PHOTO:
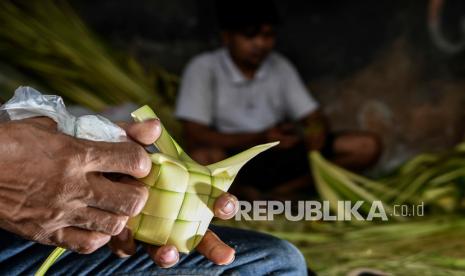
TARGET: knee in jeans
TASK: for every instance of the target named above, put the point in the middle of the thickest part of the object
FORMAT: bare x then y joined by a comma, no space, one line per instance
289,257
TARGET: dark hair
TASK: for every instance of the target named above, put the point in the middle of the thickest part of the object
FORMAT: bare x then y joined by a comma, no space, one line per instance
240,15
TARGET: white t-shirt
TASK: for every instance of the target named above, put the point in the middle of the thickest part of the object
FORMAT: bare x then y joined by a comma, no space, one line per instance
215,93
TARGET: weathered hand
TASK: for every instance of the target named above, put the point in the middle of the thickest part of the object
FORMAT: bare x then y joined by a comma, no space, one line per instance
166,256
52,187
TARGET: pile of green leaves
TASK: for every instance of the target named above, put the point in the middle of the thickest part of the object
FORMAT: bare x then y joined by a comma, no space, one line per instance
437,180
46,45
430,246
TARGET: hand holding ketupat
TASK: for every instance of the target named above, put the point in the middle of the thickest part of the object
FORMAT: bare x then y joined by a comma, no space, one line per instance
182,193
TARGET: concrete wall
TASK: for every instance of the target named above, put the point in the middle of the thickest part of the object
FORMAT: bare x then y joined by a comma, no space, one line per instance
374,65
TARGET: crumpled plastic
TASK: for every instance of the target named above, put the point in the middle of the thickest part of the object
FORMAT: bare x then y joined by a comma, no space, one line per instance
28,103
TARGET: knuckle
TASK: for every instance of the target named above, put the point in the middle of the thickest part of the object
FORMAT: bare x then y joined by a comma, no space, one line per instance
88,154
82,190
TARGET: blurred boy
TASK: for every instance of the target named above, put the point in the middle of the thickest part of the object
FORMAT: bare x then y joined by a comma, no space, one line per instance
244,94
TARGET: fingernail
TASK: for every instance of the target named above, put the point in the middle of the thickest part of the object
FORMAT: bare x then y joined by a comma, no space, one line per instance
222,252
228,208
150,120
168,256
146,165
232,260
157,121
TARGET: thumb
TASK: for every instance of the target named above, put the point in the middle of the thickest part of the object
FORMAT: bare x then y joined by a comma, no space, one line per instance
145,133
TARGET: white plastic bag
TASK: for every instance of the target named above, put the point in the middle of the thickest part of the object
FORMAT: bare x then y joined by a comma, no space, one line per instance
28,102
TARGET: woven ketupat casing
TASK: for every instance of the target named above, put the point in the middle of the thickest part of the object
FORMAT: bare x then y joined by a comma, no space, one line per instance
181,208
182,192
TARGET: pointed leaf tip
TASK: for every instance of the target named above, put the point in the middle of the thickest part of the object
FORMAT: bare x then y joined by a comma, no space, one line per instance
233,164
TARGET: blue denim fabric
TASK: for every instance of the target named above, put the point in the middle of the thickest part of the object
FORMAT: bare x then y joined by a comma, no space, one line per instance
256,254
